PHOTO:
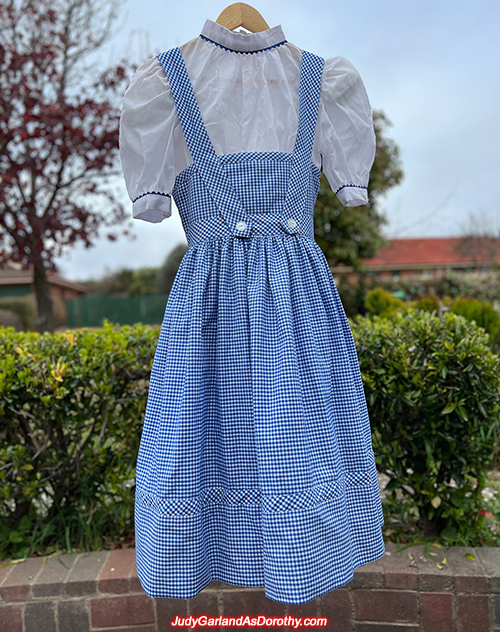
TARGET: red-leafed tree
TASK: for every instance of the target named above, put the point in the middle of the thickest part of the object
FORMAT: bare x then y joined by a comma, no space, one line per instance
59,126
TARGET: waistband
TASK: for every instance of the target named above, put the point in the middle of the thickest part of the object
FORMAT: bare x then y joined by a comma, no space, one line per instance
261,225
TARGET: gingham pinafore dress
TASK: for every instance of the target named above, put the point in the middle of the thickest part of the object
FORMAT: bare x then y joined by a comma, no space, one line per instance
255,464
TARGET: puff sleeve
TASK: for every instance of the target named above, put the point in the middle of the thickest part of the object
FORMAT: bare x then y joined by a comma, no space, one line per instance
346,134
146,145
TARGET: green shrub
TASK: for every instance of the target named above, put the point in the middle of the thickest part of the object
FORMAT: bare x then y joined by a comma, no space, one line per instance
382,303
483,285
433,393
72,407
24,307
428,302
71,411
482,312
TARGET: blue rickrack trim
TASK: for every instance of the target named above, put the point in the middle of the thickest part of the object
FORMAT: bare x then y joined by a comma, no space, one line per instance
357,186
149,193
244,52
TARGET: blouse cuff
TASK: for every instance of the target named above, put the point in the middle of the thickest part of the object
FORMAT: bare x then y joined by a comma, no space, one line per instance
152,207
352,195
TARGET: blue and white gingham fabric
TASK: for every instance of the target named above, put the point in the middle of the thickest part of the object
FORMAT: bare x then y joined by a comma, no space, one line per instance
255,465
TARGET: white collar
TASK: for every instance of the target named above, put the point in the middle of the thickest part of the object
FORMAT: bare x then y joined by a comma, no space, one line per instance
242,42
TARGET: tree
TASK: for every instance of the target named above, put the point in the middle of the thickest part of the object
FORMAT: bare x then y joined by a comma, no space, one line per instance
144,281
59,127
349,234
166,274
479,240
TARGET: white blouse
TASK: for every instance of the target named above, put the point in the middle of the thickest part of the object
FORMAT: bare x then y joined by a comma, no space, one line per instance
246,86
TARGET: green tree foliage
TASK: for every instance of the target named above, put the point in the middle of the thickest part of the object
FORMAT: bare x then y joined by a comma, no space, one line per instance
143,281
349,234
167,272
126,282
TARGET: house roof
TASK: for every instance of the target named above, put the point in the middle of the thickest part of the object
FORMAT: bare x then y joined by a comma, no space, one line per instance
436,251
15,277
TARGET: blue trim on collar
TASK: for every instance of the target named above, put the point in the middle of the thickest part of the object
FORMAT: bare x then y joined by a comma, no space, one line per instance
244,52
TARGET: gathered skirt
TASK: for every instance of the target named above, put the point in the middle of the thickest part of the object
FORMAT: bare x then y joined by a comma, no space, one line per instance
255,465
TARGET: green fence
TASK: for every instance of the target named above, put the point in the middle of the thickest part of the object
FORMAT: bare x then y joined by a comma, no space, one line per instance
91,310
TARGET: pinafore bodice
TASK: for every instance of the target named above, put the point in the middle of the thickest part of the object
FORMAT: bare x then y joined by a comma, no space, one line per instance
246,194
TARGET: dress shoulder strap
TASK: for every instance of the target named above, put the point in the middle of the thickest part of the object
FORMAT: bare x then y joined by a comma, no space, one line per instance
194,129
205,159
311,73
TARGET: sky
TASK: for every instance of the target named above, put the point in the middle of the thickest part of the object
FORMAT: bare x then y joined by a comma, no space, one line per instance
432,67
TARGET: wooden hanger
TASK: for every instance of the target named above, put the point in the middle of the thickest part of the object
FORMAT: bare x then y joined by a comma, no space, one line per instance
241,14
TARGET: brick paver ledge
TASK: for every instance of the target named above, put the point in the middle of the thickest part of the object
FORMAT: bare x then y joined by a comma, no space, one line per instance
100,592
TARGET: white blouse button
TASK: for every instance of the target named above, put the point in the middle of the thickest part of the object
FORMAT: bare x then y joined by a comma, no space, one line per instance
292,223
241,226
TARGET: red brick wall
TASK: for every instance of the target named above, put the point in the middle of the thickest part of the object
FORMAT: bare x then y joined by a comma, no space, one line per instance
100,591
